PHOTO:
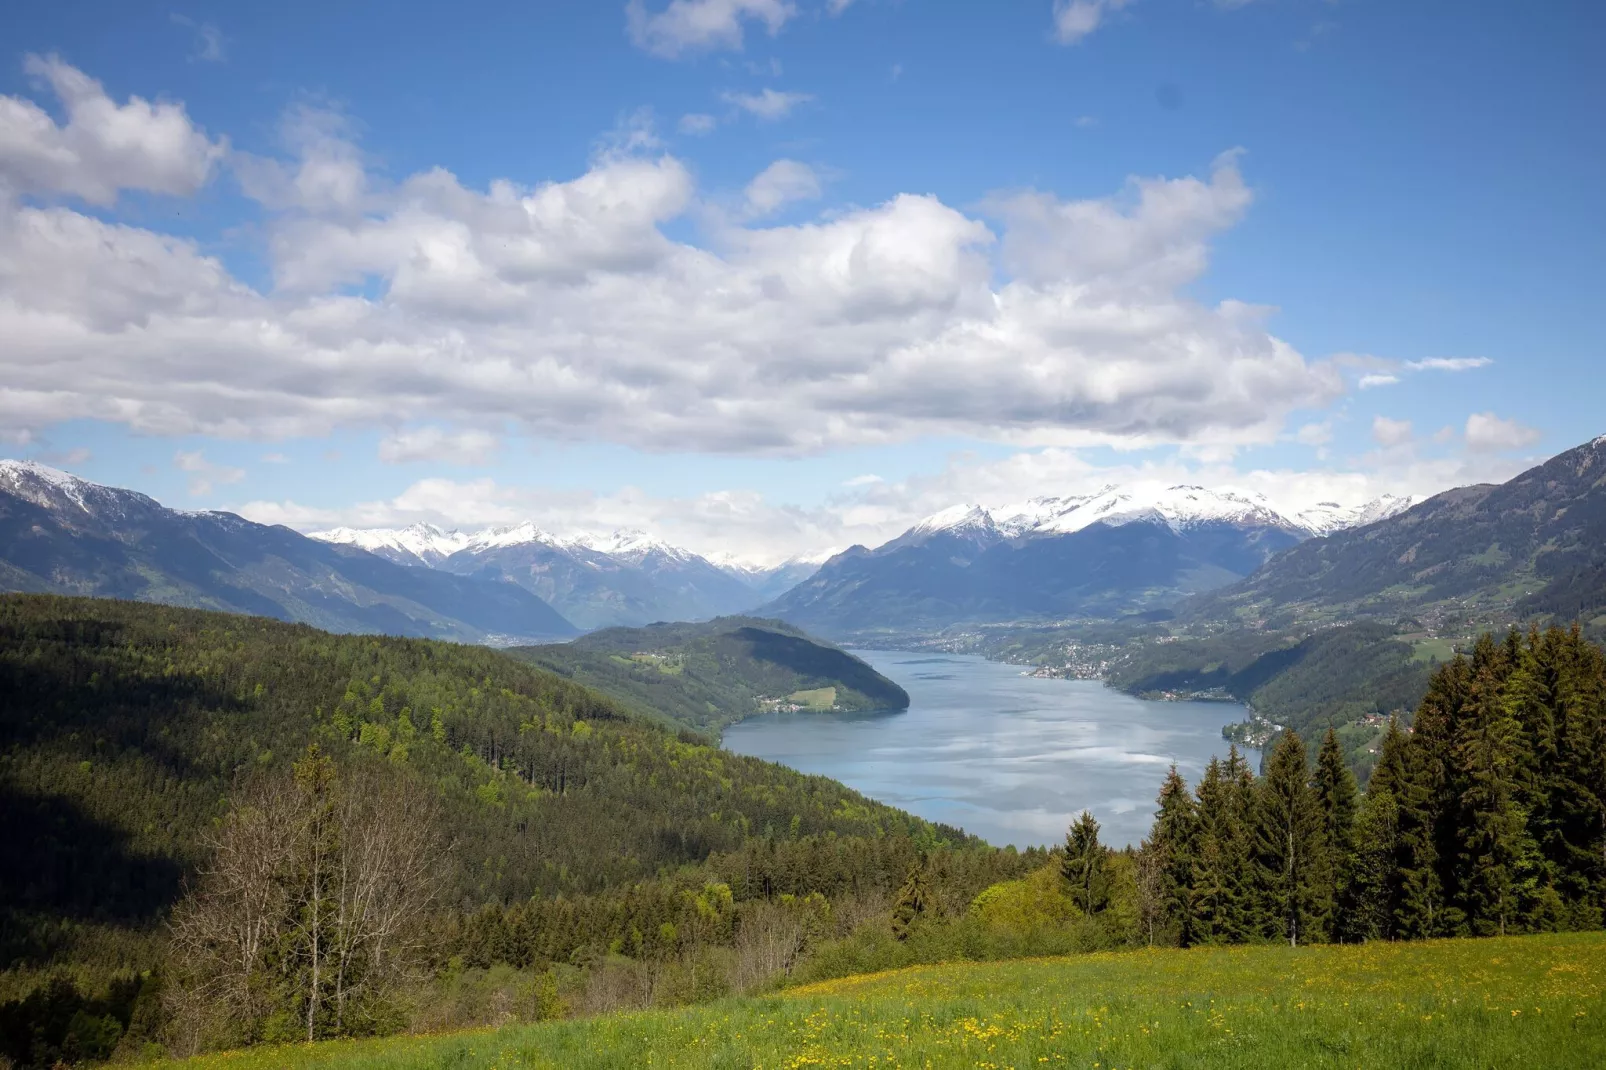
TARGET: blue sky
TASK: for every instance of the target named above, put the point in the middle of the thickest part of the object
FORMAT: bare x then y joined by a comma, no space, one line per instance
768,276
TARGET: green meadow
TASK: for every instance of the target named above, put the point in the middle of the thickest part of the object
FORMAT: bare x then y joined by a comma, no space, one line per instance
1533,1001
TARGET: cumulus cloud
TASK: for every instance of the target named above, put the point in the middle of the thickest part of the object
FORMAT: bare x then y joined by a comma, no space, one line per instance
768,104
104,147
1487,432
435,444
327,172
565,310
749,526
781,183
690,26
204,475
1075,19
1390,433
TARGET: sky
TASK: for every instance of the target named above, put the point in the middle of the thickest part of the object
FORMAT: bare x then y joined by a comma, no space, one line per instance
768,277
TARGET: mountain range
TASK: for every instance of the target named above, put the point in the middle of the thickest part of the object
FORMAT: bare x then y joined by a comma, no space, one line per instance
1113,552
1532,546
63,535
624,579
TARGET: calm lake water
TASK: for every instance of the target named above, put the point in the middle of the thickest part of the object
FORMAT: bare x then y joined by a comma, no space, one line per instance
1010,758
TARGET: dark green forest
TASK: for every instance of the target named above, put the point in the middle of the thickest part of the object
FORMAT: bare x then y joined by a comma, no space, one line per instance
708,675
427,836
126,729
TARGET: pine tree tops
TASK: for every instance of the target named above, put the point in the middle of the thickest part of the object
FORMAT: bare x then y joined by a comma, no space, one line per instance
1086,866
1488,816
1291,847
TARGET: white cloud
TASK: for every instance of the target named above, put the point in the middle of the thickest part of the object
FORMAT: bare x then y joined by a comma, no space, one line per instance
1315,434
434,444
687,26
1447,364
1487,432
767,105
204,475
275,458
104,147
1390,433
329,172
697,124
749,526
836,7
781,183
1375,379
564,310
209,40
1075,19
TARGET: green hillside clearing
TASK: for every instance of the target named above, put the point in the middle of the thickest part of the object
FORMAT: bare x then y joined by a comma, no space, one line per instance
1520,1001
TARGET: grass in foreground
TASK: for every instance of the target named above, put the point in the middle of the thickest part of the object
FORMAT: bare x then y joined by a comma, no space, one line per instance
1516,1002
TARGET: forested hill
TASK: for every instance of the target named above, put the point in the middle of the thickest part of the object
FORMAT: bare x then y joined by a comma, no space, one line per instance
709,675
1532,547
125,726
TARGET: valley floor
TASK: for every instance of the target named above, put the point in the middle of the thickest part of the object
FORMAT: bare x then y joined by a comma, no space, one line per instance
1516,1002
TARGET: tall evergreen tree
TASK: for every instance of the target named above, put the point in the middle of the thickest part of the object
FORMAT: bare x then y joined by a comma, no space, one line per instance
1086,865
1336,794
1220,869
1172,842
1291,847
913,900
1497,860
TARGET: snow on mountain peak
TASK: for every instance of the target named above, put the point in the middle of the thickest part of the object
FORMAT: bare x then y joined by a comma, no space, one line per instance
50,487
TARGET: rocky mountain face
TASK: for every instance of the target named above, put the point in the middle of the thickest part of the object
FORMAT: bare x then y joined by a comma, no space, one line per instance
1105,554
65,535
1535,545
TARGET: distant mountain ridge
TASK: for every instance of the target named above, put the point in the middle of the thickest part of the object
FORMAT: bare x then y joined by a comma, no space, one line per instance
1115,551
623,579
60,534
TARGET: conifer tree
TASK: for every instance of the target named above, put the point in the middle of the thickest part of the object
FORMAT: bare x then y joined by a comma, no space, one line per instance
1172,842
1221,879
913,899
1291,847
1497,860
1086,865
1335,792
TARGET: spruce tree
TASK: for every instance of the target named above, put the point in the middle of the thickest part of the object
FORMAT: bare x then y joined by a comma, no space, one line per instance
1291,848
913,899
1172,844
1497,860
1086,865
1221,878
1335,792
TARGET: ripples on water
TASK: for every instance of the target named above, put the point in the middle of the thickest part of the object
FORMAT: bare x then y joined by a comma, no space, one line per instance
1008,757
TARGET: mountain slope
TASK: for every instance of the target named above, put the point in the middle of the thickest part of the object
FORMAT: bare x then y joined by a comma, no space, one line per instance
65,535
1532,545
709,675
1101,555
123,725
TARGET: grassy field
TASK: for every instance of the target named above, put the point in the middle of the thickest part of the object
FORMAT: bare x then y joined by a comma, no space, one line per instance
1515,1002
819,698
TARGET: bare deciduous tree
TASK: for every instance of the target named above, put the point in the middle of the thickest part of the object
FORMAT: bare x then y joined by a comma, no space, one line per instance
311,909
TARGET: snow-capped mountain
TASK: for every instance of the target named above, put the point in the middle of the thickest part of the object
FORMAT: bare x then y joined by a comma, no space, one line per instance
1325,518
1119,549
66,535
626,577
1181,508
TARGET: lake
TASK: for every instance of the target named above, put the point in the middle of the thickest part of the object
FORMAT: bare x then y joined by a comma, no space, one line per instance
1008,757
